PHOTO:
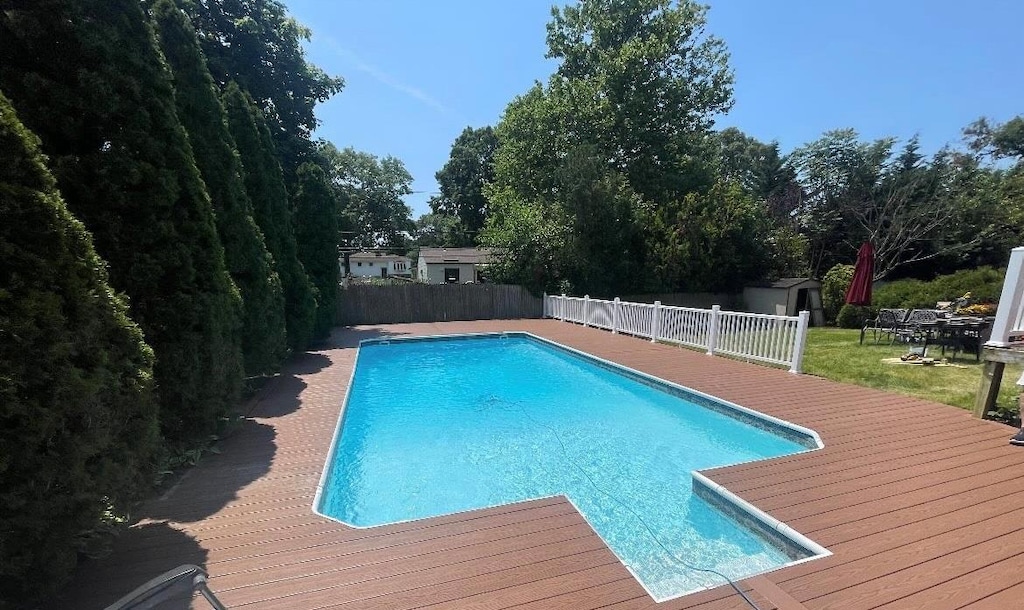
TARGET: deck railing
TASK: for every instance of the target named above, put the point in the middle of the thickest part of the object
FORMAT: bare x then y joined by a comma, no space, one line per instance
1008,328
766,338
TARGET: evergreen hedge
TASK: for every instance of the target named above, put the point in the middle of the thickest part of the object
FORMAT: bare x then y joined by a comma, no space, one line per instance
88,78
316,231
248,261
78,421
264,182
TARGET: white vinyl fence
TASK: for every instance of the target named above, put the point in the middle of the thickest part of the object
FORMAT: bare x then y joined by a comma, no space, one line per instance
773,339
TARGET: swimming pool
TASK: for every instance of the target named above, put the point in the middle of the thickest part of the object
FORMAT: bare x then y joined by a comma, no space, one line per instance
434,426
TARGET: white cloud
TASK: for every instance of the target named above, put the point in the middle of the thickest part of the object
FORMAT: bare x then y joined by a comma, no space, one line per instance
387,80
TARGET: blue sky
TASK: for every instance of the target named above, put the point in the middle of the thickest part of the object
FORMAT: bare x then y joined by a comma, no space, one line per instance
418,72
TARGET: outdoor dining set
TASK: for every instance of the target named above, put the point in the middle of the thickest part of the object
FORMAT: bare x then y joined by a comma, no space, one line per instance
930,327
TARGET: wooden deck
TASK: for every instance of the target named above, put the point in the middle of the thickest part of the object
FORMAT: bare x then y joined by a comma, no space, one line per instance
922,506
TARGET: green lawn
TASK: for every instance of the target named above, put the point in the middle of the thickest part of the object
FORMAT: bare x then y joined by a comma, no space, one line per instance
834,353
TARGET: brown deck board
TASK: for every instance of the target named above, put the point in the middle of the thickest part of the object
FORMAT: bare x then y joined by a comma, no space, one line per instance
385,562
1006,598
919,502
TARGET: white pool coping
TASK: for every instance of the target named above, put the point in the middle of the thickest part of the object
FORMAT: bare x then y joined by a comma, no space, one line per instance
784,531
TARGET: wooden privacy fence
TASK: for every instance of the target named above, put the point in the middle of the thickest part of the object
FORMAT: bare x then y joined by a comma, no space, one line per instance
767,338
435,303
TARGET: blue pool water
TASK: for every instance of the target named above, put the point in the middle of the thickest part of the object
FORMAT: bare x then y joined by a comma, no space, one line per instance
440,426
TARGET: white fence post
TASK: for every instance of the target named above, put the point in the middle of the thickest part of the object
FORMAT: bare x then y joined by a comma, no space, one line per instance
800,343
713,331
616,315
1010,301
561,307
586,310
656,322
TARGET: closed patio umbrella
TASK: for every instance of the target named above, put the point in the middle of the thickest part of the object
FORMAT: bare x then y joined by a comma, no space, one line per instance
859,292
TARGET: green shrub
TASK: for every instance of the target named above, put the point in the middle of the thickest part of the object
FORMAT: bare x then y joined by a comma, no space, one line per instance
896,294
984,284
854,316
78,422
316,233
833,290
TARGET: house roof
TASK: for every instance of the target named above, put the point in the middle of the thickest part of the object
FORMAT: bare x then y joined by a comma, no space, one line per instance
476,256
376,256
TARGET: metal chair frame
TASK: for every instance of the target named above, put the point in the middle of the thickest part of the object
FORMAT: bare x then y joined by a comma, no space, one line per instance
910,328
166,587
887,322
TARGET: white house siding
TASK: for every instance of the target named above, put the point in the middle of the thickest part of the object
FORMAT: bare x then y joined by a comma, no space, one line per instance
433,273
372,267
401,266
366,268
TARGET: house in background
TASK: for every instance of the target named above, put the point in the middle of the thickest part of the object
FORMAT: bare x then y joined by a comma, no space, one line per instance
452,265
377,264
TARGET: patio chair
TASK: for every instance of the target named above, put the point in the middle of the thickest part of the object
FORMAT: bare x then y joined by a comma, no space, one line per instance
172,590
887,322
910,329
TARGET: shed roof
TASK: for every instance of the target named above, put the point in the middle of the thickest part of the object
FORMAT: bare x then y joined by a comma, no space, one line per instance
790,282
476,256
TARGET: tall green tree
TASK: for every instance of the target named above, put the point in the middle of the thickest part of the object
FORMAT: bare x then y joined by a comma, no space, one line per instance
762,171
867,191
469,167
716,241
1000,140
660,81
251,267
372,191
88,78
264,183
592,221
78,421
991,186
771,181
316,231
636,90
256,44
438,230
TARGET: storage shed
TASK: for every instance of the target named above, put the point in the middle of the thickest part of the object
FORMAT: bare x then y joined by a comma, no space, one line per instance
787,297
452,265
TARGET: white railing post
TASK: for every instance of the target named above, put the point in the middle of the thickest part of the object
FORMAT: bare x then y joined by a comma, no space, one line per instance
586,310
1010,301
656,322
563,305
716,310
800,343
616,308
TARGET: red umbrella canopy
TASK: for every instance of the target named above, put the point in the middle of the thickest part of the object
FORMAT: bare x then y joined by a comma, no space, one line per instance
859,292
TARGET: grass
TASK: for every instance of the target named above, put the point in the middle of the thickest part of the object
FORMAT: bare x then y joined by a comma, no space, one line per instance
834,353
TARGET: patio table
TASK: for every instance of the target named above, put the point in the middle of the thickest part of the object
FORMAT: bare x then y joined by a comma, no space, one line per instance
960,334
